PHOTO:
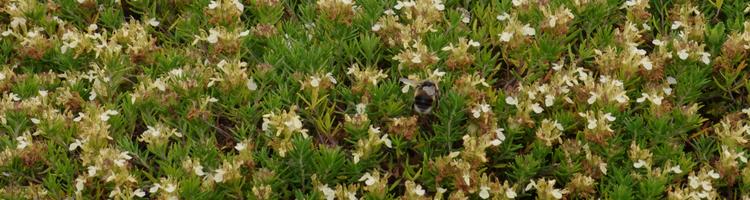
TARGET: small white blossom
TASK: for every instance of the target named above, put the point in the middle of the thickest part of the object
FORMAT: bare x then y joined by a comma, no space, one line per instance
503,16
675,169
527,30
676,25
139,192
153,22
536,108
484,192
639,164
368,179
511,100
418,190
683,54
251,84
506,36
329,193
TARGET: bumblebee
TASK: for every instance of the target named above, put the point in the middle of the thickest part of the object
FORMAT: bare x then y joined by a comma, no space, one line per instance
425,96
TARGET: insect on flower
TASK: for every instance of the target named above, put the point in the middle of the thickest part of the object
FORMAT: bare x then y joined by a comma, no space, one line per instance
425,95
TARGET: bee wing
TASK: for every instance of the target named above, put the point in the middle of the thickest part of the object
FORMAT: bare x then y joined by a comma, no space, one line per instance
432,91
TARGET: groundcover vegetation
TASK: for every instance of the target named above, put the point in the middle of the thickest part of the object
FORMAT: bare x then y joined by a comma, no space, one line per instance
303,99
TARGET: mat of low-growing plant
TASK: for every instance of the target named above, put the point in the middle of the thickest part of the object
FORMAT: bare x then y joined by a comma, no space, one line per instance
315,99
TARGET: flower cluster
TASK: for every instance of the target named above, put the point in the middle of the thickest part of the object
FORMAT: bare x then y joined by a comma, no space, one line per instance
283,126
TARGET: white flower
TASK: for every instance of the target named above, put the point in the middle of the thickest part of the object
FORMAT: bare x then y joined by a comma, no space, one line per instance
622,98
557,193
73,146
329,193
592,98
368,179
139,193
120,161
92,170
438,4
240,146
387,141
251,84
244,33
80,181
159,84
376,27
671,80
511,100
356,157
170,188
92,95
683,54
676,169
643,98
485,107
238,5
531,184
153,22
154,188
484,192
467,179
23,142
389,12
552,21
526,30
314,81
609,117
213,36
657,42
35,121
476,113
706,57
14,97
656,99
416,59
603,168
639,164
92,27
676,25
646,62
549,100
418,190
667,90
638,51
2,76
80,116
329,75
219,175
713,174
510,193
499,137
591,124
213,5
473,43
517,2
506,36
537,109
646,27
629,3
198,170
503,16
